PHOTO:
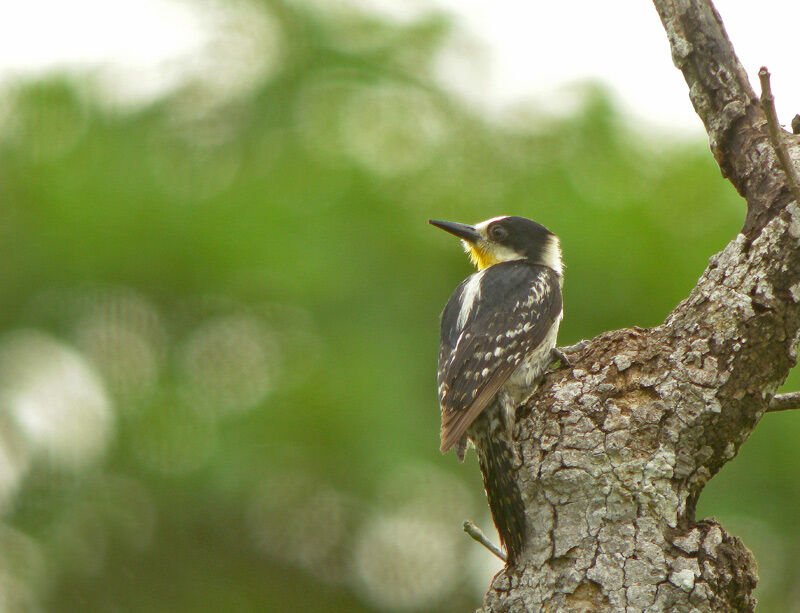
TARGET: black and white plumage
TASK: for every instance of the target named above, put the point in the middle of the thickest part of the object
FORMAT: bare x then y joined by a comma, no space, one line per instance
498,333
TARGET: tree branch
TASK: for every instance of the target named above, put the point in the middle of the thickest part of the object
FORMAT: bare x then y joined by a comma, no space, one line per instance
776,134
784,402
617,448
477,534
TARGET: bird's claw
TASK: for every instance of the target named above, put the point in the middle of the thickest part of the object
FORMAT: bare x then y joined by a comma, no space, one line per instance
557,357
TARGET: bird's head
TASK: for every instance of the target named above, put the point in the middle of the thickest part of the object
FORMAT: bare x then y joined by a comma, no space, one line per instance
502,239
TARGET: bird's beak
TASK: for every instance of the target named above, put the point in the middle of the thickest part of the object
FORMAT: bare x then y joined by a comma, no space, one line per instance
462,231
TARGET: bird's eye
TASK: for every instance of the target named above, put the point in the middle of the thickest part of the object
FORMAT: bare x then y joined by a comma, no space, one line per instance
497,233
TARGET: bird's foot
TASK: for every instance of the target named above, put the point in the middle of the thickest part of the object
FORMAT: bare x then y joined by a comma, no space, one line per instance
558,359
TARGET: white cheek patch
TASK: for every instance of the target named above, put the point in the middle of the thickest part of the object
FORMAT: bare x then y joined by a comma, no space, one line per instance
502,253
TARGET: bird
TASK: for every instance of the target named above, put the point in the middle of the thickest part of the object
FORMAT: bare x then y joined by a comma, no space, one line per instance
498,338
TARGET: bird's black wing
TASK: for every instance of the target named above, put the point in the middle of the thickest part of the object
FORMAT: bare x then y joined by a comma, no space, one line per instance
514,307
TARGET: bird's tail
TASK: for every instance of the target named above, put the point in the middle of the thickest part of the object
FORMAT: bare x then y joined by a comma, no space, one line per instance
496,458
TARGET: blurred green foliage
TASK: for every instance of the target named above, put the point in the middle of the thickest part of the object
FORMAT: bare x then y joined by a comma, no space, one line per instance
245,295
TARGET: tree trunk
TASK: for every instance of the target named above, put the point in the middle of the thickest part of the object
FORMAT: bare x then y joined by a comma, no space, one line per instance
617,448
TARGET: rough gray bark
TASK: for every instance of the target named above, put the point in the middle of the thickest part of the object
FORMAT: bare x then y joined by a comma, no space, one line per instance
618,447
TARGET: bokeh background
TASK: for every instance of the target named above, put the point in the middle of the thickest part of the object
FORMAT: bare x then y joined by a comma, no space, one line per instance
219,319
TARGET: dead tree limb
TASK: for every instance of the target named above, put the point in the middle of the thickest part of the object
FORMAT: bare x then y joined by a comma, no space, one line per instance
617,448
784,402
776,134
477,535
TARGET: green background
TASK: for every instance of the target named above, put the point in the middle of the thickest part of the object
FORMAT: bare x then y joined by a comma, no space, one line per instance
220,325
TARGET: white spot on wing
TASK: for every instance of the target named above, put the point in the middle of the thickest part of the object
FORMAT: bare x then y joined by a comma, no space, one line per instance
455,349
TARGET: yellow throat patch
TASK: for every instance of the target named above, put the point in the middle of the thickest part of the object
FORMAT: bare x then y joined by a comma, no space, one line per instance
479,256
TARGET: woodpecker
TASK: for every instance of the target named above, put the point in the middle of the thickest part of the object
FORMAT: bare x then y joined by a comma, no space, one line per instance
498,338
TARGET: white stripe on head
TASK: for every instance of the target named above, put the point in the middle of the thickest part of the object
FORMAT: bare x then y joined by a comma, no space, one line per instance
551,254
481,227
